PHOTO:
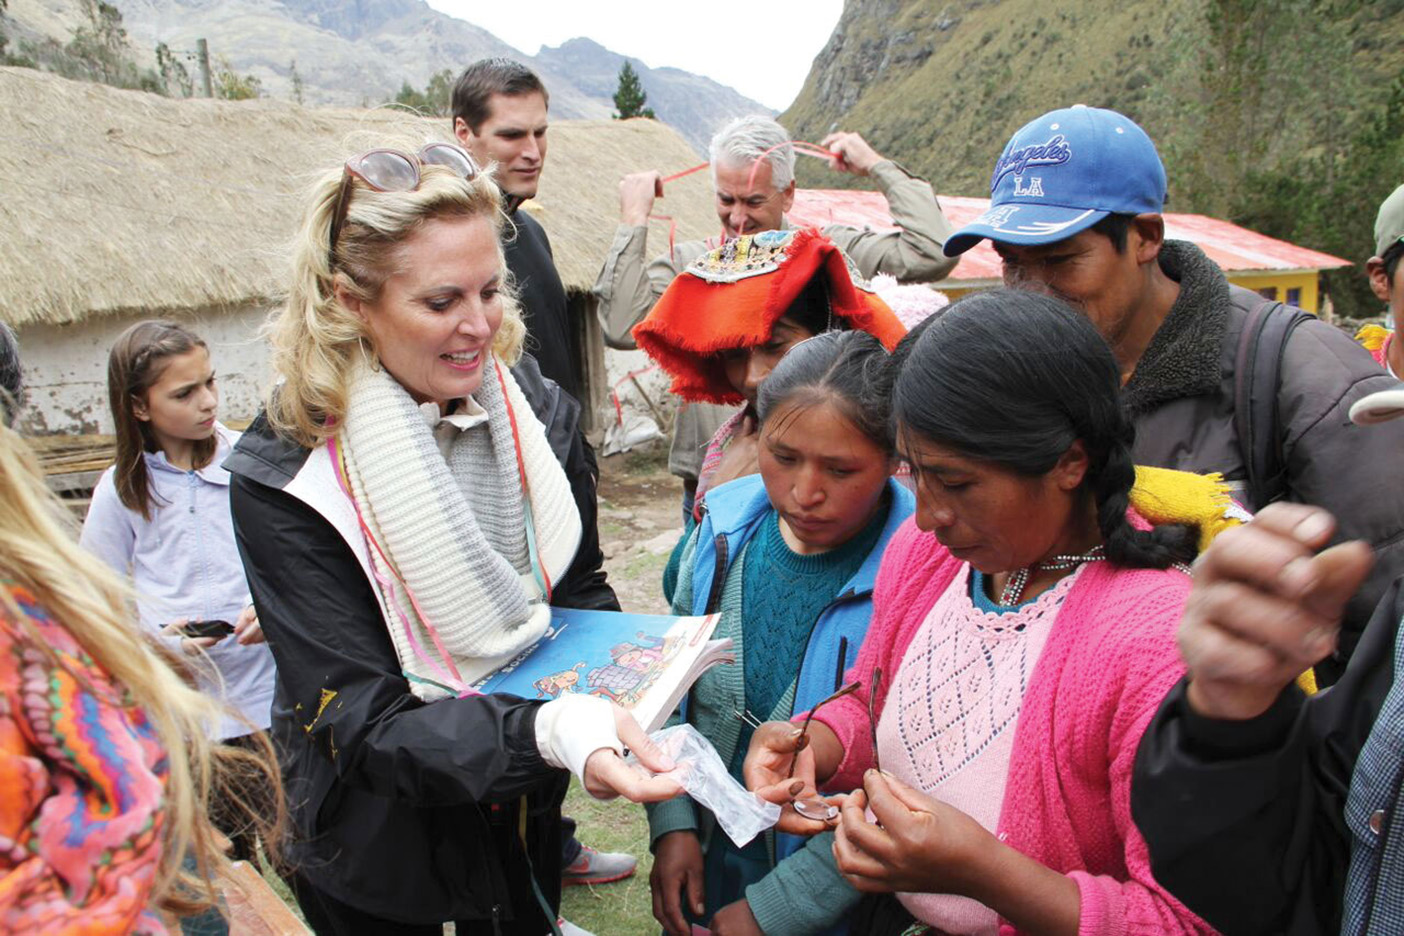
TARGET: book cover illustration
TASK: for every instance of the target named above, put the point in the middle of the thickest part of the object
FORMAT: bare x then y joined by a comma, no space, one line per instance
610,654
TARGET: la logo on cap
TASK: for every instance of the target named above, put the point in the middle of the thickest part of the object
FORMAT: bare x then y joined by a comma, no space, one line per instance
1034,189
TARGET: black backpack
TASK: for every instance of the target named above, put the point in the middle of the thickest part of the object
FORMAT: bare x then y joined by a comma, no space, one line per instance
1257,380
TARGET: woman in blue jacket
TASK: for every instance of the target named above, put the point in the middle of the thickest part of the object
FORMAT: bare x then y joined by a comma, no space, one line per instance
789,558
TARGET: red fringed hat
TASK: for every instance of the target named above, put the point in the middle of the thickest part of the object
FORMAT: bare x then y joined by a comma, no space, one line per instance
731,297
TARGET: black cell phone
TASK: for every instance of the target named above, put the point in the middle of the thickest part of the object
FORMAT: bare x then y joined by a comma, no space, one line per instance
215,629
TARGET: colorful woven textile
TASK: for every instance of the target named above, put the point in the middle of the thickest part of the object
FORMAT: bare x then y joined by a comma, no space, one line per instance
82,779
732,297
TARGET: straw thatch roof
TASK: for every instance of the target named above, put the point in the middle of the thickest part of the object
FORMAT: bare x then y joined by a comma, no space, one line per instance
119,201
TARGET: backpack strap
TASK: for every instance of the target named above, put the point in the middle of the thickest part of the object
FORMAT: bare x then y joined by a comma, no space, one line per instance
1257,380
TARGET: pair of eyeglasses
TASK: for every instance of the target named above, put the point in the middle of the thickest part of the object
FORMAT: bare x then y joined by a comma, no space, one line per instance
389,170
816,807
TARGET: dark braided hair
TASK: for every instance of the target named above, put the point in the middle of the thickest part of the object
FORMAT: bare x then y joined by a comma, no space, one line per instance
1015,378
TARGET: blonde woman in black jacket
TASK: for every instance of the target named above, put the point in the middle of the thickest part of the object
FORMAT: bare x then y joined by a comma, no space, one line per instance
406,507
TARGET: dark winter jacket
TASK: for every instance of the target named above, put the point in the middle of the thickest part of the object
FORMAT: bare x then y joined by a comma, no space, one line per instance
551,338
1181,397
1253,823
401,809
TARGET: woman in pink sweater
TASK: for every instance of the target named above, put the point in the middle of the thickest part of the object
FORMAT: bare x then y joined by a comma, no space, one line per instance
1022,638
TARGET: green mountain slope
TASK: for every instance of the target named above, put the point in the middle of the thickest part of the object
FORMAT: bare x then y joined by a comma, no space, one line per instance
1287,115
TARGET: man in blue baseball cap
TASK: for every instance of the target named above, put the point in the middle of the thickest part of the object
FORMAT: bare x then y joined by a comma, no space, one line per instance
1215,377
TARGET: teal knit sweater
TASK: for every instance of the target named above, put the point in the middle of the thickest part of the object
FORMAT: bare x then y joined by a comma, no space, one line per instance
783,595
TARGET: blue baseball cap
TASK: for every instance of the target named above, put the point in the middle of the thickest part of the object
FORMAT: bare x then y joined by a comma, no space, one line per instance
1064,172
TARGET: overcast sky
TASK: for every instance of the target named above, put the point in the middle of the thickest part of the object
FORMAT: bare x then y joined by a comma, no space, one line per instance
763,50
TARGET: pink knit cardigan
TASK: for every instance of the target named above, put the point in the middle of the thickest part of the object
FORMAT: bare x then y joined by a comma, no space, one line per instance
1109,662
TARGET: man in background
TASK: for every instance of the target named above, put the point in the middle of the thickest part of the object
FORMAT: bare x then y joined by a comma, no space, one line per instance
499,115
753,175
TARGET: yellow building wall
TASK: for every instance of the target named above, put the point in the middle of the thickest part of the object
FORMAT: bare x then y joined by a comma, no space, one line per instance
1275,285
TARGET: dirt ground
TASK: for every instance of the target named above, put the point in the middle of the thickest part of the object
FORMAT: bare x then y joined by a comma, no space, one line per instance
640,522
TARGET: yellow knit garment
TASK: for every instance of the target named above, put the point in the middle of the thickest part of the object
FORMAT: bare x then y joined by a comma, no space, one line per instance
1162,495
1372,337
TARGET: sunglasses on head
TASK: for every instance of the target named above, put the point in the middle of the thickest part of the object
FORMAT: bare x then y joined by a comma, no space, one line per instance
388,170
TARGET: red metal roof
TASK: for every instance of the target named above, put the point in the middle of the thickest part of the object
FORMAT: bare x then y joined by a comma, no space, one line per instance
1232,247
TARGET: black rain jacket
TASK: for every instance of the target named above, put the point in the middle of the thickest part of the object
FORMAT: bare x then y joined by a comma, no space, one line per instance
401,809
1246,821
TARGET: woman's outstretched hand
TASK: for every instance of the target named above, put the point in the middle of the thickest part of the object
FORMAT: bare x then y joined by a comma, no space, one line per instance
767,773
607,775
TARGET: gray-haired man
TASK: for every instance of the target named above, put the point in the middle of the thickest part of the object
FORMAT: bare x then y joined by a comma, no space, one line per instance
748,203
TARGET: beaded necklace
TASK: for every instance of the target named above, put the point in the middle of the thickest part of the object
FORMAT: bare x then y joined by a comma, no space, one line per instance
1014,588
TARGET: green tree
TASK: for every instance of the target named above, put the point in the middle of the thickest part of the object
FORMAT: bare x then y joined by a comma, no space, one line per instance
410,97
175,80
436,100
98,50
630,99
232,86
438,94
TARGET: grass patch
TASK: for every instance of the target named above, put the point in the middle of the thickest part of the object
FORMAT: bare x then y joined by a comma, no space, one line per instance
624,908
643,563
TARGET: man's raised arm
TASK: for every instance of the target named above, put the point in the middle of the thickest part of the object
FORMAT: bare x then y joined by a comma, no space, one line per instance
629,285
911,254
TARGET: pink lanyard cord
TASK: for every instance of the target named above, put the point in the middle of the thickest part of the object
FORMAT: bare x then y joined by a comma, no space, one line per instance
686,172
452,678
614,391
802,147
526,485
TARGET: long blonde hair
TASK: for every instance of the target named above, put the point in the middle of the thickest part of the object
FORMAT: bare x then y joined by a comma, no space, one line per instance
39,552
315,341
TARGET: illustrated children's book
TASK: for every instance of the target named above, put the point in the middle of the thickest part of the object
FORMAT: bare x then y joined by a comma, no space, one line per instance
645,662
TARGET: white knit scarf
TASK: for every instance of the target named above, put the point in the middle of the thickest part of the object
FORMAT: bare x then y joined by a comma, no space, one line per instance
445,590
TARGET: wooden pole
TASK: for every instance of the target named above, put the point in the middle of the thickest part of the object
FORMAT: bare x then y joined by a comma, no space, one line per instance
202,49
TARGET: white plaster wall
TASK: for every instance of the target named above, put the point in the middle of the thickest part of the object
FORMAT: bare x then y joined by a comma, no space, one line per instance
618,364
65,368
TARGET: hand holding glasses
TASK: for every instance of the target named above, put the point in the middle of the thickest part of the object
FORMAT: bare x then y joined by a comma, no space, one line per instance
776,747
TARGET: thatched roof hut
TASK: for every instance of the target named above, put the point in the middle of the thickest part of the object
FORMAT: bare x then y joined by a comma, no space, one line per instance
120,204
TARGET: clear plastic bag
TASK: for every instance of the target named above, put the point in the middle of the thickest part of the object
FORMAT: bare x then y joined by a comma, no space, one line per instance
741,814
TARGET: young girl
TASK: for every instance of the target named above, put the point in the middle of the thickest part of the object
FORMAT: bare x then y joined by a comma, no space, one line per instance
789,558
104,770
161,515
731,316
